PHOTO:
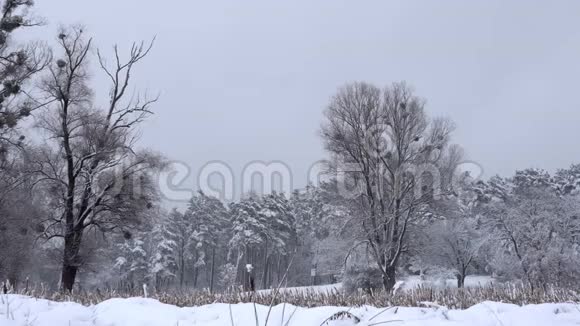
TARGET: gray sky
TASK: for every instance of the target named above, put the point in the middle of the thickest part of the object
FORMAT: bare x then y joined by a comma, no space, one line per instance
246,80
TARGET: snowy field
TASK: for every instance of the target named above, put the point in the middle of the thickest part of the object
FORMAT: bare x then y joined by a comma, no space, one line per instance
327,288
18,310
413,282
408,283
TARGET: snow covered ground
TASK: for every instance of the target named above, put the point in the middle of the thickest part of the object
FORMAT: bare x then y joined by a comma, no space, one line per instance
18,310
413,282
327,288
408,283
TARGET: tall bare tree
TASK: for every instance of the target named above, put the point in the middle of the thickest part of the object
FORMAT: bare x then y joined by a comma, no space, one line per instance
387,145
97,178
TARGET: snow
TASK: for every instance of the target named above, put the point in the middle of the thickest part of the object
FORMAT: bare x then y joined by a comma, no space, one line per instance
328,288
18,310
406,284
471,281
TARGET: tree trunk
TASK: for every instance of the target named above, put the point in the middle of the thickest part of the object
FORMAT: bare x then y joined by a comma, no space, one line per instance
195,276
265,271
212,270
389,279
68,276
460,280
70,262
279,264
181,267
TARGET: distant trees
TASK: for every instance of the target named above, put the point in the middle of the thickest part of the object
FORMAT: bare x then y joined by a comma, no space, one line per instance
533,218
452,240
324,233
194,238
393,205
180,236
19,214
454,245
521,228
392,151
96,178
524,227
210,244
20,64
164,263
209,218
262,228
132,261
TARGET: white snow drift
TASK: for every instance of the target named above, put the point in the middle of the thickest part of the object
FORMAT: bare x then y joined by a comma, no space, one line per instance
18,310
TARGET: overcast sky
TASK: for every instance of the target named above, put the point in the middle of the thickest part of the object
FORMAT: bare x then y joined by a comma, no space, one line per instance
246,80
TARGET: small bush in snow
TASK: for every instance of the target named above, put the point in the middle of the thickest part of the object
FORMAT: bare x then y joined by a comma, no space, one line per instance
366,279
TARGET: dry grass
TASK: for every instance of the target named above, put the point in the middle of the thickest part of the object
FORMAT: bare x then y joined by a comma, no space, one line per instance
451,298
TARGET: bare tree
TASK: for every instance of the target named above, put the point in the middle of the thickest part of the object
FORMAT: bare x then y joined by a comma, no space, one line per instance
98,181
454,245
386,144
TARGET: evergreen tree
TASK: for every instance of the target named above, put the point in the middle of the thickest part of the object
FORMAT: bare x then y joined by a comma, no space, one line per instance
132,261
164,265
208,220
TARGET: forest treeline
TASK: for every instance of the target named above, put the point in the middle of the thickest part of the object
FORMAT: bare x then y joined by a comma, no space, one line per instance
80,207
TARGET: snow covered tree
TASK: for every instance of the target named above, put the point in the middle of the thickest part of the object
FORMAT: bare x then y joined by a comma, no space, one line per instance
280,237
133,261
311,212
248,232
567,181
263,235
388,146
321,238
179,232
227,276
538,227
454,245
453,239
208,218
164,262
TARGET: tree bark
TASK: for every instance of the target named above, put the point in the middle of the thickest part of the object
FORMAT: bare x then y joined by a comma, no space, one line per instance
70,262
389,279
265,271
195,276
460,280
212,270
181,266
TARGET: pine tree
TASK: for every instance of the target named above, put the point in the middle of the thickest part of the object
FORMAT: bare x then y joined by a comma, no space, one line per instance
249,230
164,263
208,220
132,262
280,222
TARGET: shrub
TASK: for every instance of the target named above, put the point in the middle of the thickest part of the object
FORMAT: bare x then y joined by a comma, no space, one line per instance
358,278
